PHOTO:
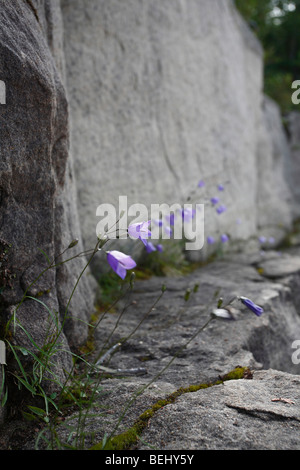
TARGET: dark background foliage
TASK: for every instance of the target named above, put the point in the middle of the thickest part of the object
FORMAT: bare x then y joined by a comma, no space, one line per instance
277,24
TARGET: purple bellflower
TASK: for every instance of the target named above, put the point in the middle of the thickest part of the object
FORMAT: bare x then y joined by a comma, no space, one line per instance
120,262
210,240
220,209
214,200
188,214
170,218
150,247
224,238
201,184
158,222
252,306
140,230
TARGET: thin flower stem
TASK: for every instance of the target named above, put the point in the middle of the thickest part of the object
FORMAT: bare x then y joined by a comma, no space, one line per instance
113,330
110,307
143,319
72,293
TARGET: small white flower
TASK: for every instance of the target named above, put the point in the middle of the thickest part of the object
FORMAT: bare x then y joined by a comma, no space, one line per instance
222,313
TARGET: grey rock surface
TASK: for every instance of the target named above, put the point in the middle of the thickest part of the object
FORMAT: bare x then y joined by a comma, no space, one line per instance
274,193
161,98
259,411
293,168
38,212
280,266
237,415
250,340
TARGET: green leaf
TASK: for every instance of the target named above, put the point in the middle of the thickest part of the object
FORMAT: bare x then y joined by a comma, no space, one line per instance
4,398
187,295
18,360
26,385
38,411
29,416
47,258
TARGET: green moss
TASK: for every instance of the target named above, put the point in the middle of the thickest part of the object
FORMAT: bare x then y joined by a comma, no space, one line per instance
292,237
89,346
129,438
145,358
236,374
77,393
110,289
43,292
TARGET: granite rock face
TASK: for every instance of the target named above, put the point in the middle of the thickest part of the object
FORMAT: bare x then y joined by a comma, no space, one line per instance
293,169
38,214
161,98
255,414
158,99
275,197
261,411
166,354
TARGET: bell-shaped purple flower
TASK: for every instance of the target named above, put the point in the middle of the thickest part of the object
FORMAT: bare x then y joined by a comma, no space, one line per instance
140,230
150,247
170,218
120,262
252,306
210,240
214,200
224,238
188,214
220,209
158,222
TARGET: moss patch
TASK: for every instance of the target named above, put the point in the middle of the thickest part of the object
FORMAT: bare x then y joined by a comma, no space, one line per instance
128,439
292,237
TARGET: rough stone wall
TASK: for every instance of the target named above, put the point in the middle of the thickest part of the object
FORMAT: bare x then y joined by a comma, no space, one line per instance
165,94
293,166
274,193
160,97
37,194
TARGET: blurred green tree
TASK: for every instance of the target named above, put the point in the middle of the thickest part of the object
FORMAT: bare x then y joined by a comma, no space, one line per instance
277,25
